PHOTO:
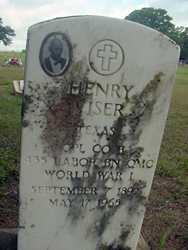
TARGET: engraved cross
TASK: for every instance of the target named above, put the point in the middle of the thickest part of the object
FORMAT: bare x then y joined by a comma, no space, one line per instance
107,54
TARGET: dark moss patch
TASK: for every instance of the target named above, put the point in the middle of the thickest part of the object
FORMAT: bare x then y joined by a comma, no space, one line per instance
114,247
26,102
62,123
25,123
124,235
64,111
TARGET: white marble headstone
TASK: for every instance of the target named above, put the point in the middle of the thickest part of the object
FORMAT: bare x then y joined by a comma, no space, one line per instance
96,96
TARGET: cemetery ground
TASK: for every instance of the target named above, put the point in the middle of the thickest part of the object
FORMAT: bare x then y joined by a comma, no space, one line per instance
166,220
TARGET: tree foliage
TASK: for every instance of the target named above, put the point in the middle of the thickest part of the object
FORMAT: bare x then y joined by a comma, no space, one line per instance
6,33
183,42
159,20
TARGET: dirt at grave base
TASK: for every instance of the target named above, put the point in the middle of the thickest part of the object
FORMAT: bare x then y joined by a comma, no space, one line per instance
9,204
165,225
166,221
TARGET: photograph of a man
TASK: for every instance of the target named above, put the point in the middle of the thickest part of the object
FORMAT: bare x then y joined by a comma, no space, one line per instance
55,62
55,54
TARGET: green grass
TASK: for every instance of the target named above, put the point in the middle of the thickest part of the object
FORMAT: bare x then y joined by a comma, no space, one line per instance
173,159
10,120
163,238
4,55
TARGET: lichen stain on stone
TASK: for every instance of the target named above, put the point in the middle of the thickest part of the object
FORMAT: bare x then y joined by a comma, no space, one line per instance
64,113
118,244
141,110
124,234
103,223
30,104
114,247
48,106
26,102
63,120
143,103
142,106
136,197
25,123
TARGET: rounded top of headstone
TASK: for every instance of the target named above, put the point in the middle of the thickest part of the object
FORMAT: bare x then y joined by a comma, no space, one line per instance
95,18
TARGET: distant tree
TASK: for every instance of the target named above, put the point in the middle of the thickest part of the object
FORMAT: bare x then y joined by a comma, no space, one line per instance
157,19
6,33
183,42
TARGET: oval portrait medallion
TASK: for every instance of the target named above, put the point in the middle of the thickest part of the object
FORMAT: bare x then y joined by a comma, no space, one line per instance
55,54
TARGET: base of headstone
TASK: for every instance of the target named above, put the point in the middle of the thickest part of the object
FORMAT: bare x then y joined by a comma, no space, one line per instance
8,240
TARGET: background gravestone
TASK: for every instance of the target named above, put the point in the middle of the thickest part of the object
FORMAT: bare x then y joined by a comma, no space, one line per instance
96,97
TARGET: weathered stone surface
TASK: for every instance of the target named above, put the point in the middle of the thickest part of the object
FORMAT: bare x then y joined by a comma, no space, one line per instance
96,97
